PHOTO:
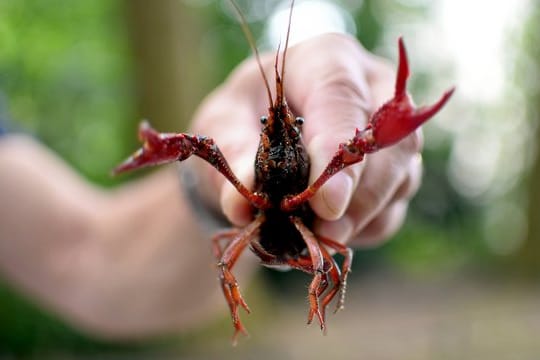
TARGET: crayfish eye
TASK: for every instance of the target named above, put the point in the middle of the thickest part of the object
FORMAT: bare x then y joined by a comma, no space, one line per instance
263,119
299,121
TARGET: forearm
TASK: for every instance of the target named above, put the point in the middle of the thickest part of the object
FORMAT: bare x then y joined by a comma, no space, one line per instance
130,262
164,273
44,208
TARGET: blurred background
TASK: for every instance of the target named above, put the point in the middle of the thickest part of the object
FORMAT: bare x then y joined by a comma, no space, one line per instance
460,280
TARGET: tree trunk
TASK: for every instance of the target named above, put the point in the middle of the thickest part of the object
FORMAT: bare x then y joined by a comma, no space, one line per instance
527,260
529,255
165,39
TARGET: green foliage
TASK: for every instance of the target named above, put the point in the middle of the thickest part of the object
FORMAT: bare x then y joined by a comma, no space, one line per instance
369,29
65,73
25,330
527,260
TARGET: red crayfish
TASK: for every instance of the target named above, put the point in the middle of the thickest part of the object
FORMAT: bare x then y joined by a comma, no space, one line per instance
280,233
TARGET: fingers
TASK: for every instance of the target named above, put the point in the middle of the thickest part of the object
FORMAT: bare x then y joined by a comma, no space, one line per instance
230,118
383,226
378,206
380,225
331,92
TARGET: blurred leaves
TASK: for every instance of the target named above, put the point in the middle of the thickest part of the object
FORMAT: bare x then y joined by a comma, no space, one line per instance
65,71
27,330
527,72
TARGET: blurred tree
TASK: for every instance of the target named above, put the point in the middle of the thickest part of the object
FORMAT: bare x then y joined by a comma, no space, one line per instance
166,38
65,75
527,258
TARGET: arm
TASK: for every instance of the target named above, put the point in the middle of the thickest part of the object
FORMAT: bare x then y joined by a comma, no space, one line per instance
126,263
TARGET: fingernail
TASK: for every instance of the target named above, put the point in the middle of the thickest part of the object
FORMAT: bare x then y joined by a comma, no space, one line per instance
336,194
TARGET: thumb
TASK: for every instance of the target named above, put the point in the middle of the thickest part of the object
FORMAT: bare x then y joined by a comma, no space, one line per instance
235,133
333,96
339,107
235,207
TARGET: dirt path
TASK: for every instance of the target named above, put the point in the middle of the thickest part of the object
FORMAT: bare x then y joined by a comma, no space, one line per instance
392,317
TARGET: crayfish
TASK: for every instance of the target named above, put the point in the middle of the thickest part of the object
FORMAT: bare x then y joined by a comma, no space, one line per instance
280,233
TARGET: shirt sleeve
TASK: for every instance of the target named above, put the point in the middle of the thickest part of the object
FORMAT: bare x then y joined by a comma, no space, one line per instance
3,130
4,117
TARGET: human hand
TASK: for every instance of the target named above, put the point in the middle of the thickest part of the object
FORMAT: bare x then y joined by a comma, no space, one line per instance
335,85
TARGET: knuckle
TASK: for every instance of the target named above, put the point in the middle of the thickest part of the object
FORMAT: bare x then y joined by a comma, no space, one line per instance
339,74
414,176
413,143
340,84
365,204
372,195
383,226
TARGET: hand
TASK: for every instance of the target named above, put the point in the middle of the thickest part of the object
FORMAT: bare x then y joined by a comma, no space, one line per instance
335,85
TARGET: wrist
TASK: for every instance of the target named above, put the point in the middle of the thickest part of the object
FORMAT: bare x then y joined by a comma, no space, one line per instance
209,217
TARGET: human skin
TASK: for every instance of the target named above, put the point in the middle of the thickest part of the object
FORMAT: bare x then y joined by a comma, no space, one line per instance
136,261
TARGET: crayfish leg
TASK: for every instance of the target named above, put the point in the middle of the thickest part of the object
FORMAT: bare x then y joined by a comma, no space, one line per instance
334,275
325,269
237,243
223,236
317,264
340,280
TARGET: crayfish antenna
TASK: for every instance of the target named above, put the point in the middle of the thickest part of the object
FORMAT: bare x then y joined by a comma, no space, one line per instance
281,79
251,41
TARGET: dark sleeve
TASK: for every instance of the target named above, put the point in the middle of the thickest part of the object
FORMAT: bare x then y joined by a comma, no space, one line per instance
4,116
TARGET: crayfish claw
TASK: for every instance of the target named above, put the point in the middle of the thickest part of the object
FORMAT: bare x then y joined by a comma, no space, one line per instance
403,69
399,117
146,131
158,148
238,329
424,113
